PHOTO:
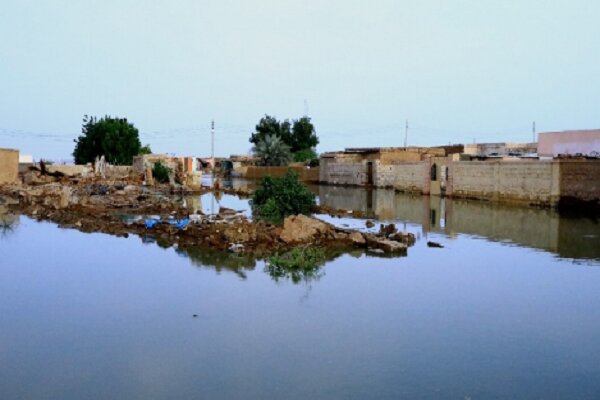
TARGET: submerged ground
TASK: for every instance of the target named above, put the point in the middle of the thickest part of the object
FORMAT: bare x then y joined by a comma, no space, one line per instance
509,308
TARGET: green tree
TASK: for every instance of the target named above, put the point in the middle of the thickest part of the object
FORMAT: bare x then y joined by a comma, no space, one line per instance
145,150
115,138
303,135
305,155
271,151
270,126
299,135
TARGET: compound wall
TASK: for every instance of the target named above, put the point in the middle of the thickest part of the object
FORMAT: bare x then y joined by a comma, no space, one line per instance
9,165
532,182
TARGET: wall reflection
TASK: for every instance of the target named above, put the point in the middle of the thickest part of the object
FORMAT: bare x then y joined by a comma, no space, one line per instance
566,236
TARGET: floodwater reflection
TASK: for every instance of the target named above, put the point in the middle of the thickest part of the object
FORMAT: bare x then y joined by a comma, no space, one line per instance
566,236
239,264
8,223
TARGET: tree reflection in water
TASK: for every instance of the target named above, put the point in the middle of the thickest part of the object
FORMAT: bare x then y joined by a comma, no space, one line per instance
302,265
8,224
220,260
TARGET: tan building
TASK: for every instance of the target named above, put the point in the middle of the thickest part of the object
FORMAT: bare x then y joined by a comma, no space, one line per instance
372,166
515,180
582,142
9,165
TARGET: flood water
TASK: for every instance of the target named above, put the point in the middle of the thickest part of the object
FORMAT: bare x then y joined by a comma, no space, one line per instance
509,308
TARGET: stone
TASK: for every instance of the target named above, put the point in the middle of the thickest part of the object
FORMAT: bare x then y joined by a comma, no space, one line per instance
388,246
357,238
302,229
434,244
387,230
369,224
403,237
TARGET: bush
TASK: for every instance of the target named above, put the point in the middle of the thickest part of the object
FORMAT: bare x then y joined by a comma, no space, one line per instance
277,198
298,264
161,172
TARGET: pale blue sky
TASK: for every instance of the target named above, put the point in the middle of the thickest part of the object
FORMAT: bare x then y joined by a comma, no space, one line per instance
457,70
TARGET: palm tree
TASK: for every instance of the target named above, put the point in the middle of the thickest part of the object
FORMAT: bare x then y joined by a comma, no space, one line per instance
271,151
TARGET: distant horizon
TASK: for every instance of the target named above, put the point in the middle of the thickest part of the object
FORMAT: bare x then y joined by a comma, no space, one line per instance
68,157
458,71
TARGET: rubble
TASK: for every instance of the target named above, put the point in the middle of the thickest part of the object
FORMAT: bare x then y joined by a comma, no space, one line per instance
387,245
303,229
357,238
125,206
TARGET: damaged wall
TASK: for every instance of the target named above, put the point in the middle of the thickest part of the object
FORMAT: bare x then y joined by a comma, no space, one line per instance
9,165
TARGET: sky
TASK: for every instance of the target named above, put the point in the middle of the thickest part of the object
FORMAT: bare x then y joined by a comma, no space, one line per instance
458,70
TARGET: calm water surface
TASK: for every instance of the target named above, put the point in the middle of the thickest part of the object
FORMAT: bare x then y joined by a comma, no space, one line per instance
510,308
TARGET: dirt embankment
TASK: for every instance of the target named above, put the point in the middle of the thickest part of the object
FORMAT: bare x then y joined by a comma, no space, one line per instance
126,207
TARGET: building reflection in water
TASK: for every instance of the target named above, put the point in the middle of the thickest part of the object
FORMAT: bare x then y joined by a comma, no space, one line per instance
565,236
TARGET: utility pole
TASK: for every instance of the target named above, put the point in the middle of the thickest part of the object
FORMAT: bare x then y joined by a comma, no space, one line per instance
212,145
533,130
405,134
212,139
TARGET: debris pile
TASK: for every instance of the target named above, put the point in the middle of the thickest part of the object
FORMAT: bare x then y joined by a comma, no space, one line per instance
99,205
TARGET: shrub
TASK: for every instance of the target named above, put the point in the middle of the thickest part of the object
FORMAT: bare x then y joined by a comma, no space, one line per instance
277,198
161,172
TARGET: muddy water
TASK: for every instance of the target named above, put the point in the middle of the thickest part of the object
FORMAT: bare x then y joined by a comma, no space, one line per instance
510,308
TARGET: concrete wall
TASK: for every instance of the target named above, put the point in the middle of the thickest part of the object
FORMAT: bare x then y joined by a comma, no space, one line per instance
406,176
9,165
580,180
304,174
346,169
551,144
532,182
529,182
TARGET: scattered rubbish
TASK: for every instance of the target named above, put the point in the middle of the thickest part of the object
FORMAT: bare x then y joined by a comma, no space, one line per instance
150,223
182,223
